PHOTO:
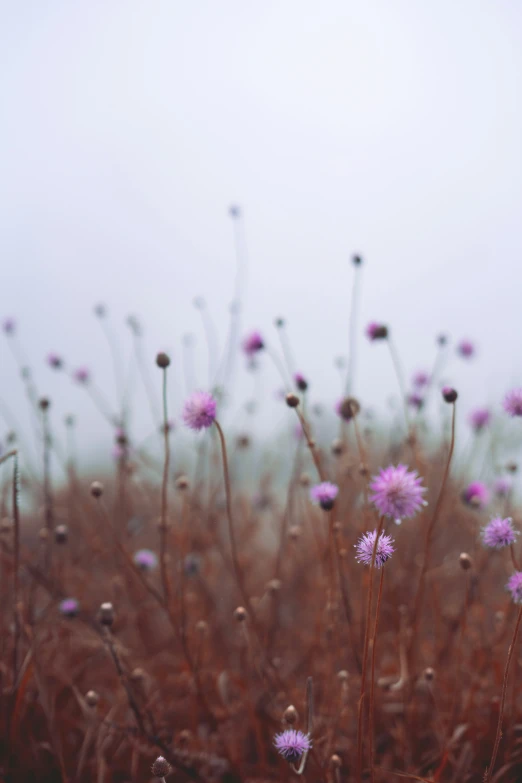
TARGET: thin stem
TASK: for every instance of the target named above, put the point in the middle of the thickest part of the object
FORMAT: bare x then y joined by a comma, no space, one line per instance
372,676
489,771
164,495
513,557
16,566
365,656
400,380
429,533
352,336
48,500
145,376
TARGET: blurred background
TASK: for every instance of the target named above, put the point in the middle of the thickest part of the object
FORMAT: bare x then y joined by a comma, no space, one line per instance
390,129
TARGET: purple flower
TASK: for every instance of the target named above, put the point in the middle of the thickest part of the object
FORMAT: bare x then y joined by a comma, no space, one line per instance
416,400
476,494
397,492
499,533
365,546
9,325
69,607
300,381
449,394
291,744
376,331
513,402
253,343
466,349
421,379
54,361
146,559
324,494
82,375
502,486
479,419
514,586
199,410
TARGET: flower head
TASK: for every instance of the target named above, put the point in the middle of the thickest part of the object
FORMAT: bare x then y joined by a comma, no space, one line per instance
199,410
376,331
476,494
466,349
513,402
146,559
291,744
499,533
514,586
54,361
365,547
347,408
502,486
479,419
253,343
82,375
397,492
9,325
324,494
191,564
300,381
415,400
69,607
449,394
421,379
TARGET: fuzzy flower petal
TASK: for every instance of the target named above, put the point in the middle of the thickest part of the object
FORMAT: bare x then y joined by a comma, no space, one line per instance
199,410
499,533
69,607
514,586
291,744
146,559
324,494
365,546
466,349
476,494
479,419
253,343
397,492
513,402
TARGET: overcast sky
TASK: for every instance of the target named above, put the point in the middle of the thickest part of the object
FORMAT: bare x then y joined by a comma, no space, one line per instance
390,128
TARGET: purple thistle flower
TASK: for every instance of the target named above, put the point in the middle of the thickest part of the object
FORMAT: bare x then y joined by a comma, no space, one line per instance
514,586
291,744
502,486
300,381
54,361
199,410
324,494
146,559
513,402
499,533
421,379
252,344
365,546
9,326
416,400
476,494
397,492
82,375
466,349
479,419
376,331
69,607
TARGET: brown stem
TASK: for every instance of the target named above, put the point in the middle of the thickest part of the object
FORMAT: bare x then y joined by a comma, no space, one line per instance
164,496
429,533
365,656
372,676
513,558
352,336
49,521
489,771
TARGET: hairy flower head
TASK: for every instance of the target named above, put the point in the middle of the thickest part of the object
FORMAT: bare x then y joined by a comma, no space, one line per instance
199,410
397,492
365,547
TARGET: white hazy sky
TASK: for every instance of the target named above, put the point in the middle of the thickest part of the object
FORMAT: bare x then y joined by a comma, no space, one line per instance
392,128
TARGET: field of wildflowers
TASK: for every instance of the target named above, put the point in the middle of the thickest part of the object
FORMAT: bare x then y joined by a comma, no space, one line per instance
350,615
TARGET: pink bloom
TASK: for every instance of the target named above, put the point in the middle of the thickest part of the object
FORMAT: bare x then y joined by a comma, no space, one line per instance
513,402
479,419
421,379
291,744
499,533
397,492
466,349
253,343
199,411
376,331
9,325
476,494
324,494
383,552
54,361
514,586
502,486
82,375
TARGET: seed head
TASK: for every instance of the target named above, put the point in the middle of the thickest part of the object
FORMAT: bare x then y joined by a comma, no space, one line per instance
429,674
290,715
240,614
337,447
513,402
162,360
61,534
182,483
44,404
376,331
292,400
449,394
96,489
92,698
465,561
161,767
357,259
300,381
347,408
106,614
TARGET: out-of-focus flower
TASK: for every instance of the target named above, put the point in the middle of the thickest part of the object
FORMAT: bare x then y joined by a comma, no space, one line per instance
365,547
54,361
69,607
376,331
291,744
146,559
479,419
9,326
502,486
253,343
499,533
347,408
513,402
199,411
234,211
415,400
421,379
449,394
476,494
514,586
82,375
466,349
300,381
324,494
397,492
